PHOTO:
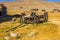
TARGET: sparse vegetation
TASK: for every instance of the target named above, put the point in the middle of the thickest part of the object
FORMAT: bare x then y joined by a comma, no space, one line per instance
47,30
43,31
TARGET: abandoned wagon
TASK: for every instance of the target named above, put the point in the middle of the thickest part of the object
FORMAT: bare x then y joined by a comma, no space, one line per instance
34,17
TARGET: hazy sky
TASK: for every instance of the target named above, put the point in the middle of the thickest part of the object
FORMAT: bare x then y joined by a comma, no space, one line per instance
46,0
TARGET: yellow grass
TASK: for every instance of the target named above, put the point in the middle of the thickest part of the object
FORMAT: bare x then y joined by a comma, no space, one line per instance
44,31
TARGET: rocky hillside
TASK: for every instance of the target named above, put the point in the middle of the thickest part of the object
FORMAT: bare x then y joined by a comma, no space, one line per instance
18,7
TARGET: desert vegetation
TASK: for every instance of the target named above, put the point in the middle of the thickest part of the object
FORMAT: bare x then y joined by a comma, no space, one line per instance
14,30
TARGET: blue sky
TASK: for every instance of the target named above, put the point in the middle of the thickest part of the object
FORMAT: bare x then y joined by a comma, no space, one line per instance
6,0
53,0
46,0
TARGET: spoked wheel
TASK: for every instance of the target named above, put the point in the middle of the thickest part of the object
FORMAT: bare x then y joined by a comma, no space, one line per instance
45,17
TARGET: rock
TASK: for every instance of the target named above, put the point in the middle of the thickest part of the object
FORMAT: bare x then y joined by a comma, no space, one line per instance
6,38
13,34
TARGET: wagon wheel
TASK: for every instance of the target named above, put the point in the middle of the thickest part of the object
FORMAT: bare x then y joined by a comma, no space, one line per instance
22,17
36,19
27,21
45,17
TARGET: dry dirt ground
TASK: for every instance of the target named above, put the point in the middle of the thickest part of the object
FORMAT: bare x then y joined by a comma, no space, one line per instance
44,31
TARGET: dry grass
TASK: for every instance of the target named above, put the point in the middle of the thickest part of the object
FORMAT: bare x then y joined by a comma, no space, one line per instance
44,31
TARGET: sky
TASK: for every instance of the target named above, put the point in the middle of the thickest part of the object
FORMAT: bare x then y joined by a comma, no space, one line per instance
6,0
46,0
53,0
